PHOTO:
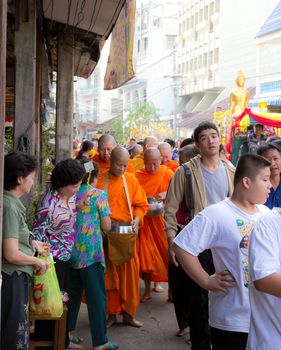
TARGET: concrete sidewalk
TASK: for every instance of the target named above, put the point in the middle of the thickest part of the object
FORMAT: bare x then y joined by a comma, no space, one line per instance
157,333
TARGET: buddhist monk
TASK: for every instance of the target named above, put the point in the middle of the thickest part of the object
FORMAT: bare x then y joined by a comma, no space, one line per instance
106,144
137,149
166,152
153,251
122,281
149,141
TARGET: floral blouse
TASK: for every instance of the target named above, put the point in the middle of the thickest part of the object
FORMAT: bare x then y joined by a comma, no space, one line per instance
55,224
88,248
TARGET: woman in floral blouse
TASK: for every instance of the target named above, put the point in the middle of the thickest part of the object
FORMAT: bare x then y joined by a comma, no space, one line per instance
88,265
55,224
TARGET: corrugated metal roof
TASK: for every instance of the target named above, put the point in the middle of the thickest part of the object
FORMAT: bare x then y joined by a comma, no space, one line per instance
273,22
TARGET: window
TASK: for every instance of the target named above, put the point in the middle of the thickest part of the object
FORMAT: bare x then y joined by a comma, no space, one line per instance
217,6
138,45
269,87
211,58
145,45
191,65
205,60
201,15
186,66
187,24
206,13
144,94
212,8
200,62
195,63
216,56
128,100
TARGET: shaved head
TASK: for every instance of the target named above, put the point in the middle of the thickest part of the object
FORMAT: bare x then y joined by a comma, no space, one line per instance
118,161
166,152
152,160
106,144
150,141
136,150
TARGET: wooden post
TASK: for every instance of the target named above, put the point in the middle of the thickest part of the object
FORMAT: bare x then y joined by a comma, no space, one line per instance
25,52
3,35
64,115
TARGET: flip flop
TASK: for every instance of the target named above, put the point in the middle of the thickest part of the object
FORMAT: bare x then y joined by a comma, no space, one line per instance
76,339
111,346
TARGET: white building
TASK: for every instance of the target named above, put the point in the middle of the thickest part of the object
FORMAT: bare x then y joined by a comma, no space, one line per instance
268,82
217,39
94,106
154,56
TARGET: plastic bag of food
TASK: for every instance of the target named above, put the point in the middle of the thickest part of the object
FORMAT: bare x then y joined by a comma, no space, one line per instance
45,297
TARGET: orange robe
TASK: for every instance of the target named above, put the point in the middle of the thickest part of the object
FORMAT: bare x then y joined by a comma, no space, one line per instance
104,166
173,165
138,161
153,244
122,282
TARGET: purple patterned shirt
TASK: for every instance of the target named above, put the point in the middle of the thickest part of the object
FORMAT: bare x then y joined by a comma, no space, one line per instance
55,224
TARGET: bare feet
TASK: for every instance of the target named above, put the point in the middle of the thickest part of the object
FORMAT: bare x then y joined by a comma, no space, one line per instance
111,320
146,296
130,321
158,288
182,332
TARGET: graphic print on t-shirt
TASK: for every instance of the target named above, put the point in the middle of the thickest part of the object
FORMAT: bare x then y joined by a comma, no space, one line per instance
245,229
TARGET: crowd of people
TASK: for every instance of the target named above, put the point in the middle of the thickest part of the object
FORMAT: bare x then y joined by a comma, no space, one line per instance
154,211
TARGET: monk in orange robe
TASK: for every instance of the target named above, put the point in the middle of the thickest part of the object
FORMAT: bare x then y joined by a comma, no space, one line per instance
166,155
106,144
122,281
138,161
153,244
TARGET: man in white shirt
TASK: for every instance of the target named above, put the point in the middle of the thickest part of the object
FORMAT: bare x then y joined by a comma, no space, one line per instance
225,228
265,286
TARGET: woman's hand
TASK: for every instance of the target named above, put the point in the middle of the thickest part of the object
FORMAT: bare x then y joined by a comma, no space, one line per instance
41,247
41,266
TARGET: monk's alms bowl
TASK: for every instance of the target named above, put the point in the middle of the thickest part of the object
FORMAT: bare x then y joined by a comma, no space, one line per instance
156,208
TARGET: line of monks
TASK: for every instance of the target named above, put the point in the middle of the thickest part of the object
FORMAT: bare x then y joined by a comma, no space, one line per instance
147,175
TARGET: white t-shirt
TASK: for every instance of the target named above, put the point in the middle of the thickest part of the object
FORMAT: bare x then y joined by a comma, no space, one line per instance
265,259
225,229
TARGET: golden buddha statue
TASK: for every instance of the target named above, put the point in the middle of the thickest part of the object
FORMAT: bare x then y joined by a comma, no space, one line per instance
239,98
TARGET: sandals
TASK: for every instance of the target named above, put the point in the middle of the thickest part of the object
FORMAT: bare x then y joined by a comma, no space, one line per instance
75,339
111,345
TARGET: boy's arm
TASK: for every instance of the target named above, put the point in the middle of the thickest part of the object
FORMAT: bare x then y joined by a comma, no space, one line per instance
270,284
217,282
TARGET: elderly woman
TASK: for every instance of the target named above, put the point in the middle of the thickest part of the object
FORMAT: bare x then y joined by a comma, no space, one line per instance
272,152
18,259
55,224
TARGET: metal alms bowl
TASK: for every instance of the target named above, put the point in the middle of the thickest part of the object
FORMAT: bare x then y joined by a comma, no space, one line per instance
121,227
155,208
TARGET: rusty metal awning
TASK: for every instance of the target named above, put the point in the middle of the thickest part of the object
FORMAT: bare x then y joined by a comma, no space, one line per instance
90,22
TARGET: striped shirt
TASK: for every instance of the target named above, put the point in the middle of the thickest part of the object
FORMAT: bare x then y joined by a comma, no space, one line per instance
55,224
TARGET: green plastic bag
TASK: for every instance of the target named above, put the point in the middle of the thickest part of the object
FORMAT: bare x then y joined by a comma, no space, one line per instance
45,299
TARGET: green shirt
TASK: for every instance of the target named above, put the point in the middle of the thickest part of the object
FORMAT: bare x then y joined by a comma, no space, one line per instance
14,226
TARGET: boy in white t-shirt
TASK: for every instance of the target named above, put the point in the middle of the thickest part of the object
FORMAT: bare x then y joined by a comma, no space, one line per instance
225,228
265,286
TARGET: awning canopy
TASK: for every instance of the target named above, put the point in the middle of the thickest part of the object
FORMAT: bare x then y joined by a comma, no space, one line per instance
85,25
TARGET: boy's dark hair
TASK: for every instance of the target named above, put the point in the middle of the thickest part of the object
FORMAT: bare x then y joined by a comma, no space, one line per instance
186,142
249,165
17,164
67,172
94,173
171,142
204,126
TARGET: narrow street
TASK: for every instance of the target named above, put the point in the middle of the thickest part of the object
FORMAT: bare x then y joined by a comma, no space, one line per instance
158,332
